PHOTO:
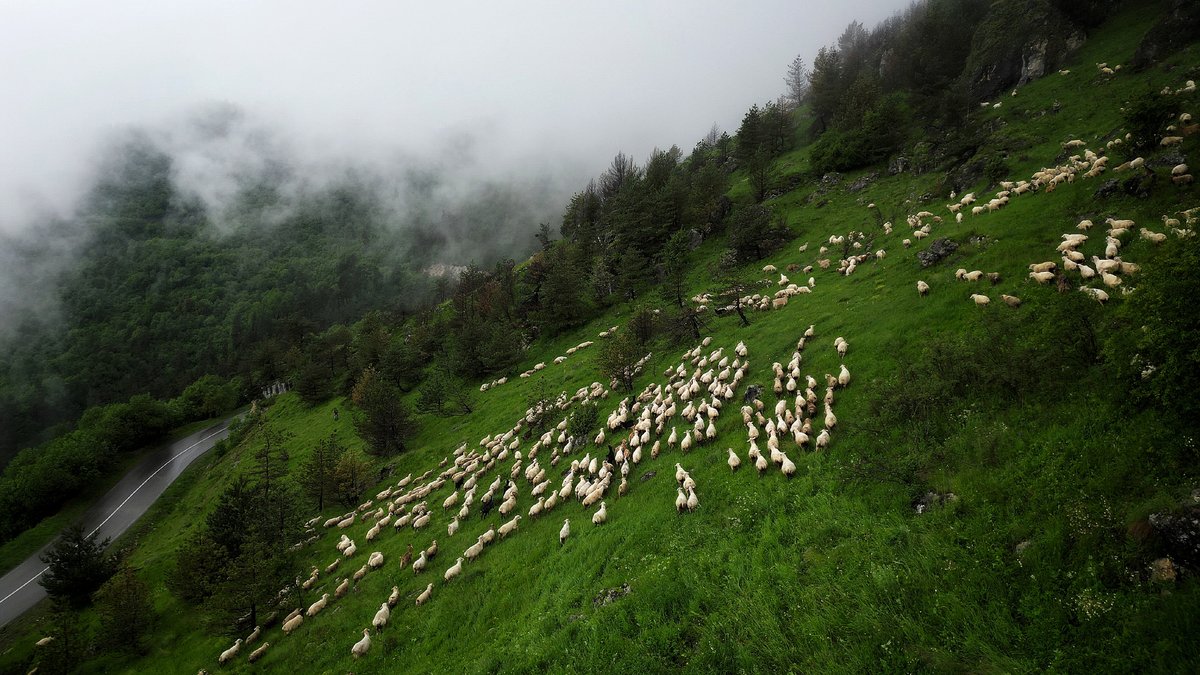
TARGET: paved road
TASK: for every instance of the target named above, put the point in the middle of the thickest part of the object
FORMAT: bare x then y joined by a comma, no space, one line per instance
113,513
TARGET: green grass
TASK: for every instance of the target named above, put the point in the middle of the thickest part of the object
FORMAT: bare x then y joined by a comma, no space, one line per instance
832,570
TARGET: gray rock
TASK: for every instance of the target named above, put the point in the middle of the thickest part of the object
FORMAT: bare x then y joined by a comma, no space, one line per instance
1179,26
1179,533
939,249
611,595
1107,189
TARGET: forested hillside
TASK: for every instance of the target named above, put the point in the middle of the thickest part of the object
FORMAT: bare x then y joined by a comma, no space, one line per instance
978,249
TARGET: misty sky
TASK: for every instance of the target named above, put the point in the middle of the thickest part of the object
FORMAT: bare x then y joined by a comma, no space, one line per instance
523,87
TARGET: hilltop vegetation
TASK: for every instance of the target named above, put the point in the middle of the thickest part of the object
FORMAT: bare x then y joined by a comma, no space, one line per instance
1001,488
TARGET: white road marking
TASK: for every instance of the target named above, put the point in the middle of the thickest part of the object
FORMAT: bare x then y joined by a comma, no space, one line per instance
131,494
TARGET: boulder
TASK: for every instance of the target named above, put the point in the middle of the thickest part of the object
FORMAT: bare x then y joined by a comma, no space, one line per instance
1018,41
939,249
1178,27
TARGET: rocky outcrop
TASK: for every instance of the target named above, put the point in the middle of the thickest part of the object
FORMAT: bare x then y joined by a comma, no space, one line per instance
1018,41
940,248
1179,26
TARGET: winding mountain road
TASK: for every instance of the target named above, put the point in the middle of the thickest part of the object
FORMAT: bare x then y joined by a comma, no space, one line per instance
114,513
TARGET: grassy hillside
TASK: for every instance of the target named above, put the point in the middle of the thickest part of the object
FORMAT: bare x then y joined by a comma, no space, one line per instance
1022,556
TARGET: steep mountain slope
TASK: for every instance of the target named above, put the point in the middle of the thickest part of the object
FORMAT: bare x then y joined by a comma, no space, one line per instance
982,505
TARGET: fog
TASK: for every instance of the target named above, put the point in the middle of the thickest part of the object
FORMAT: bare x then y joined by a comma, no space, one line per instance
541,89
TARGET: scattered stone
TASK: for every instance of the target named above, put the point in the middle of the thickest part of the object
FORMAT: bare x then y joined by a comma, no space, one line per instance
1179,532
898,164
939,249
1140,184
611,595
862,183
1107,189
932,499
1162,571
648,475
1021,546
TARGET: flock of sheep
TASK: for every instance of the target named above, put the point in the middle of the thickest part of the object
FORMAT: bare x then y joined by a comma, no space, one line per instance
678,414
682,412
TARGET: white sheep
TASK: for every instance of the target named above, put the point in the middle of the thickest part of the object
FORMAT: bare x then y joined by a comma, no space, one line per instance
362,645
922,288
258,653
376,560
315,608
230,653
292,624
980,300
425,594
565,531
381,617
453,571
601,516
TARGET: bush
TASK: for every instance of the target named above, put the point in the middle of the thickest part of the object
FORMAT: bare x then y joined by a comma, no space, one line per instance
77,566
125,610
1145,118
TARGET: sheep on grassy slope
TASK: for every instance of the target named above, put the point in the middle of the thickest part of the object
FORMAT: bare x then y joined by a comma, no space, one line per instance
565,531
362,645
315,608
381,617
292,624
425,594
453,571
258,653
230,653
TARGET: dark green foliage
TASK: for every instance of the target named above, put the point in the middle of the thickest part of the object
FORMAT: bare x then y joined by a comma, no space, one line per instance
77,567
383,419
350,476
994,169
1158,351
870,136
71,641
208,396
317,474
1146,118
618,359
200,565
441,393
754,232
126,613
582,422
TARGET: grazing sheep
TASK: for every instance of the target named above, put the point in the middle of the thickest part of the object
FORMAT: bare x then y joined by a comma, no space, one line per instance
419,565
230,653
981,300
601,516
788,467
1010,300
922,288
394,597
1153,237
254,635
509,527
453,571
315,608
362,572
844,376
565,531
292,624
823,439
692,501
424,596
1096,293
342,589
733,461
258,653
1041,277
381,617
362,645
